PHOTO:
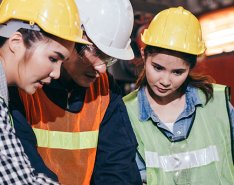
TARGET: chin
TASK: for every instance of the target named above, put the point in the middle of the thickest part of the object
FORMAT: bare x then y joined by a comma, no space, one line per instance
84,83
30,90
161,94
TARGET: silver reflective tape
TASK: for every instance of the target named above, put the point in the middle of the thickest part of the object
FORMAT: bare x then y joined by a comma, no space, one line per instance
10,27
182,161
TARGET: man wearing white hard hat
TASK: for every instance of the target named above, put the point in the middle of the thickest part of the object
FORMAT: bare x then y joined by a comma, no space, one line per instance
81,125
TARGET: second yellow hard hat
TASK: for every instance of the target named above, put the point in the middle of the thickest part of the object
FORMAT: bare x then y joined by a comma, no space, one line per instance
175,29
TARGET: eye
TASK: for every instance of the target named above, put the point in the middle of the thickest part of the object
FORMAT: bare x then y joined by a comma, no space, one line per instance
178,72
52,59
157,67
95,54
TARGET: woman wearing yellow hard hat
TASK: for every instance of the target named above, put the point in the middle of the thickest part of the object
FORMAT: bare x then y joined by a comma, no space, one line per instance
35,38
181,120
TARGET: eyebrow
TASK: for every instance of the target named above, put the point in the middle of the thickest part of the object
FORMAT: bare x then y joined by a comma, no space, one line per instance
156,64
178,69
61,56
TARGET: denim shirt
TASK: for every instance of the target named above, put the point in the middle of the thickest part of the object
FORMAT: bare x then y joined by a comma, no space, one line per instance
182,125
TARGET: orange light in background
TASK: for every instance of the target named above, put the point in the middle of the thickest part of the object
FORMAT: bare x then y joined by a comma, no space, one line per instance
218,31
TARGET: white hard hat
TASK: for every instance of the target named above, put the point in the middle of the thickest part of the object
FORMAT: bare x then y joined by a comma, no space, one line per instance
108,23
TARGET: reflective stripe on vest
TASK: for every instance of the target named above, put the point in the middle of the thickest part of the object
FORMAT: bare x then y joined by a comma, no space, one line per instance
180,161
66,140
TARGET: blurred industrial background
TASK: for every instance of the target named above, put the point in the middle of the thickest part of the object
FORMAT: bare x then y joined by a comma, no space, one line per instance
217,21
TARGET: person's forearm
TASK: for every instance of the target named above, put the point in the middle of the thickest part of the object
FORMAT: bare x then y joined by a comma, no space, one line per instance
15,167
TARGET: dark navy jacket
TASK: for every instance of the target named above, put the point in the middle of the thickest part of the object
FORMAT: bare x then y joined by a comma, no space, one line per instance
115,160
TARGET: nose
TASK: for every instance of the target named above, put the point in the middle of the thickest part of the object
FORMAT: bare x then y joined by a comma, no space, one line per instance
165,80
55,73
100,68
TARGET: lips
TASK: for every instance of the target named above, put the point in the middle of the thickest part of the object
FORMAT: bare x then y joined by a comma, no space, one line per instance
91,75
162,90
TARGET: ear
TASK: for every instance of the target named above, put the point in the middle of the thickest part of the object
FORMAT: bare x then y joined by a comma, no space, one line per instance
143,54
16,42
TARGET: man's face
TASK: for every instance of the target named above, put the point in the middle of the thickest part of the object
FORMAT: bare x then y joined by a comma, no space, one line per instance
87,65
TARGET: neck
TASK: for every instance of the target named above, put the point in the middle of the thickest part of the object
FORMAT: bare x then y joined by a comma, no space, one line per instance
65,79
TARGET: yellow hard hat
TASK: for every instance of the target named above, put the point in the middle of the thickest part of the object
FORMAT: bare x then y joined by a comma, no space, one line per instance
175,29
56,17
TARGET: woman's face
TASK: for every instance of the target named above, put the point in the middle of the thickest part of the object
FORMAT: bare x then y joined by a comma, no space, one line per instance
165,74
41,63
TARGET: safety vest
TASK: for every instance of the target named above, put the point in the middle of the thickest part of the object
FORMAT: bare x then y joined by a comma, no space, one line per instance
67,141
204,158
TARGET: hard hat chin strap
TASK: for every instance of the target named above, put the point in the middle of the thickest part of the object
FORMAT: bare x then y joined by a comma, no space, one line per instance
10,27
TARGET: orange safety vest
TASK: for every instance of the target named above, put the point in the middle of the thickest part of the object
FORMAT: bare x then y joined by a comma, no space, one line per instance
67,141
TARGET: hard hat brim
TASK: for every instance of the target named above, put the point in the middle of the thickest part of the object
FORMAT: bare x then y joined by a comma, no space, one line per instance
122,54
